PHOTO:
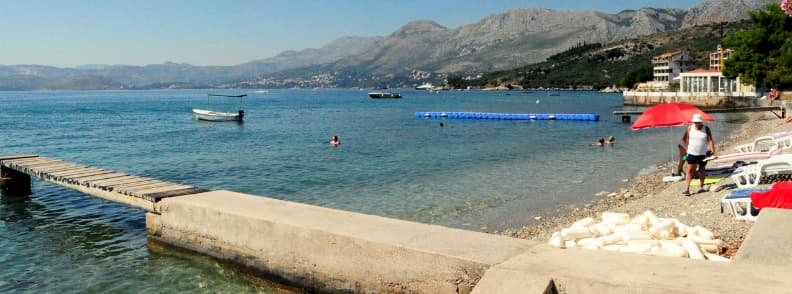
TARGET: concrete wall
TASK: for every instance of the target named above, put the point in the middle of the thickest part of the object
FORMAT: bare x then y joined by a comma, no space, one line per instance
579,270
327,249
653,98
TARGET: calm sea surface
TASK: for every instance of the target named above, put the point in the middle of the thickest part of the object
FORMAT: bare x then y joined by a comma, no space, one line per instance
471,174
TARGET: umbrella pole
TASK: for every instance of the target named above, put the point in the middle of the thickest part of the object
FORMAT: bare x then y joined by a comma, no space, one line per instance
671,131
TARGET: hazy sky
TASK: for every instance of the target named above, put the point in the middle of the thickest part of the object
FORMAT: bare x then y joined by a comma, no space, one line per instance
69,33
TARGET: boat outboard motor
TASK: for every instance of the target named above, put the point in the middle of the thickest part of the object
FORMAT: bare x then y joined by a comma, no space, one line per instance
241,114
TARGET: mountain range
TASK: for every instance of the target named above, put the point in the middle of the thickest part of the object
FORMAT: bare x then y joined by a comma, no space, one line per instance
419,51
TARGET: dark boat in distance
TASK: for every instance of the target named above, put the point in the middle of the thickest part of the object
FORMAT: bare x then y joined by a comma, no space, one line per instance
381,95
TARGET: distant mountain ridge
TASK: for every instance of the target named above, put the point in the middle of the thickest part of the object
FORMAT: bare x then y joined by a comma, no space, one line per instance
502,41
419,51
42,77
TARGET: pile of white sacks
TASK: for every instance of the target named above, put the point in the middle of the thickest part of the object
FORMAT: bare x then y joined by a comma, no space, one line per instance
644,234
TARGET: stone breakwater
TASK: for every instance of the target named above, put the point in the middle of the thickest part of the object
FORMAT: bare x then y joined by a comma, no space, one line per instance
649,192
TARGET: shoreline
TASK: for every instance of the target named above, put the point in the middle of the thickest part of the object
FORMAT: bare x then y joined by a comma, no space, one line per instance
649,192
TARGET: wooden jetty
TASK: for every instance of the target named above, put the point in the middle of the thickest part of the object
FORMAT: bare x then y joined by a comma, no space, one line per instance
141,192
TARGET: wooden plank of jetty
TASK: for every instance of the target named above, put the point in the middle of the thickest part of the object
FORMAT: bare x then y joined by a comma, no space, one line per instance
84,179
57,168
118,180
33,159
75,171
151,185
17,157
47,166
186,191
140,183
158,188
128,190
39,162
162,189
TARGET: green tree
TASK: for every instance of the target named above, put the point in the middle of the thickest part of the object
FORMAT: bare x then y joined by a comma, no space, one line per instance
762,53
640,75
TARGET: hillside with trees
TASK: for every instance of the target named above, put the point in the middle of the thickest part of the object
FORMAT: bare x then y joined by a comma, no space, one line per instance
763,53
596,66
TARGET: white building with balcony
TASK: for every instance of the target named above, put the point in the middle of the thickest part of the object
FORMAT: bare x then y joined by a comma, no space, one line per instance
668,66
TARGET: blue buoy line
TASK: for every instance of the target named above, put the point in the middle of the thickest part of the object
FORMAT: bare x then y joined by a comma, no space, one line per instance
510,116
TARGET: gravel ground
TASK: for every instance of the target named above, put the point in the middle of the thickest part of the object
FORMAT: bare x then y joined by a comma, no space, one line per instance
665,199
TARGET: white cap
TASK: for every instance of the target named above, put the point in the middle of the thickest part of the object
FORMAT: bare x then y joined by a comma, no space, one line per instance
697,118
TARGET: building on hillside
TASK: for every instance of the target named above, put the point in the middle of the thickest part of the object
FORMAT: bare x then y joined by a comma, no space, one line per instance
700,87
669,65
717,57
711,81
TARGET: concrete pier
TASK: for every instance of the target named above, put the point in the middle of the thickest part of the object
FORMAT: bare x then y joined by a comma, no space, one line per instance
327,249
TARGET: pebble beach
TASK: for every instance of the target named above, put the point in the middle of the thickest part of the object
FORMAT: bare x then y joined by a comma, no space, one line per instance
649,192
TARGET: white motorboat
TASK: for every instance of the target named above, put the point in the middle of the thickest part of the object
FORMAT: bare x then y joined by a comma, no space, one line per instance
427,86
211,115
208,115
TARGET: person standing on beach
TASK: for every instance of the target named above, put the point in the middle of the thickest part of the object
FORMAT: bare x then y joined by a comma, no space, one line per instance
682,146
698,140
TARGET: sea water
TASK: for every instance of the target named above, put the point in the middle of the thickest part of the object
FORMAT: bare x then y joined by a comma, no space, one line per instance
472,174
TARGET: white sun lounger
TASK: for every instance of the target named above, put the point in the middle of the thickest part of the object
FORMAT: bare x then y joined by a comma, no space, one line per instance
767,142
747,156
751,175
738,202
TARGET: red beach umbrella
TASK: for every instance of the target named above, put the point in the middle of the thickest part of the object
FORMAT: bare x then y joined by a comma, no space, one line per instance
667,115
779,197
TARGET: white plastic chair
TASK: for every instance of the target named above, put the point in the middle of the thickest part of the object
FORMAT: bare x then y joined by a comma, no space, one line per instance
740,206
751,175
767,142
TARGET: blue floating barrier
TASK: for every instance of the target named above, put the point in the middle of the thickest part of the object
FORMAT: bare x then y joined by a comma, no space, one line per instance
510,116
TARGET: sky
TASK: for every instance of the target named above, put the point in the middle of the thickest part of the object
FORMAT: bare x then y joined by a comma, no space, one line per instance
70,33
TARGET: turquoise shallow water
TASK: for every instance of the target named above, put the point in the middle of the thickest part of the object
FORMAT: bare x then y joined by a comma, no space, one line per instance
469,174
